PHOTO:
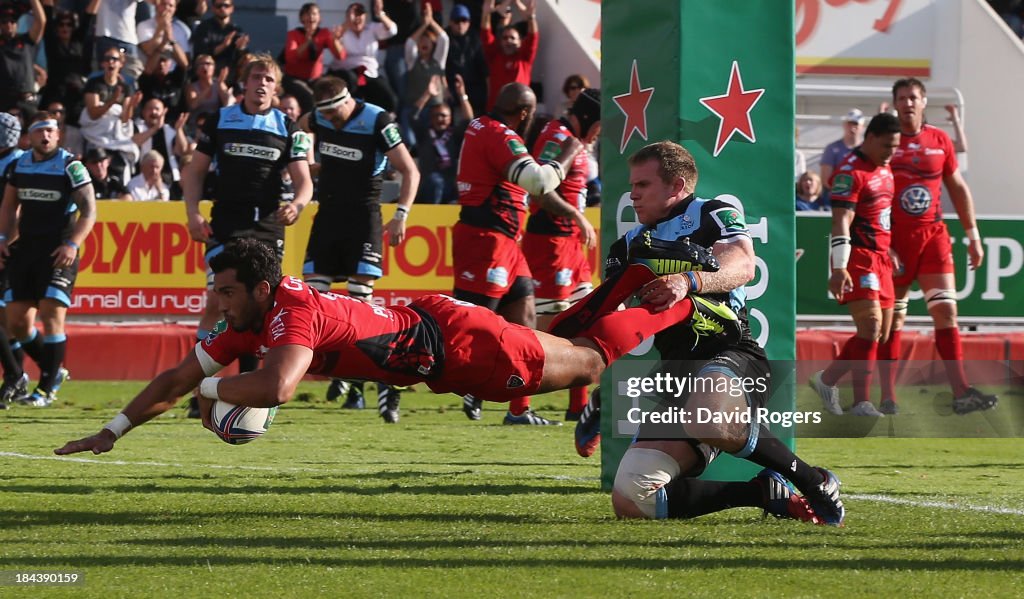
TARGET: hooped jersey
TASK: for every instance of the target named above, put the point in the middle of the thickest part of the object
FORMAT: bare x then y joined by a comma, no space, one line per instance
919,165
859,185
44,192
488,200
349,338
249,151
353,158
705,222
573,189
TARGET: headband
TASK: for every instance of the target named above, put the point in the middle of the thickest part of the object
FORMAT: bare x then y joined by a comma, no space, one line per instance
47,124
334,102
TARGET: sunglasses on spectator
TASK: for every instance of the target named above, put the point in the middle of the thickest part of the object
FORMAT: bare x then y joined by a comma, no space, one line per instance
111,58
65,24
223,5
57,111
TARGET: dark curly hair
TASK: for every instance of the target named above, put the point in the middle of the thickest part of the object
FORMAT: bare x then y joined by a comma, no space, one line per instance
253,261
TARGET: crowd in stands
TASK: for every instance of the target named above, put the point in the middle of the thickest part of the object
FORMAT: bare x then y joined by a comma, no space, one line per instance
132,81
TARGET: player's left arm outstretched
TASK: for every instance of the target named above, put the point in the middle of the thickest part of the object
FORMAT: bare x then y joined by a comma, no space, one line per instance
159,396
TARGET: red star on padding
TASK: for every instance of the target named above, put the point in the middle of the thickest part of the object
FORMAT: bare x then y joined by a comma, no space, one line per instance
634,106
733,108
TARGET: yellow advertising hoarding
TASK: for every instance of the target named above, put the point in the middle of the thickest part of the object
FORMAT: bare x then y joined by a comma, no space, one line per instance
140,260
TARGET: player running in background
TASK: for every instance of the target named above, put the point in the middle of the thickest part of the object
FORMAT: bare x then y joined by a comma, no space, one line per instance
495,174
925,160
250,143
436,340
553,244
862,192
354,141
47,213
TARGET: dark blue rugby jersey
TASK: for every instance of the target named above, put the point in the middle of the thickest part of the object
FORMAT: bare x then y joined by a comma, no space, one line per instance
44,192
249,152
352,158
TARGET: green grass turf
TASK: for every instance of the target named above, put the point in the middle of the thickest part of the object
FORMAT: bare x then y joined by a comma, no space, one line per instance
335,503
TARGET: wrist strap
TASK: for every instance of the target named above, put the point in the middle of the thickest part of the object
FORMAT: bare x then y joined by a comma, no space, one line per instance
401,213
841,249
208,387
119,425
973,234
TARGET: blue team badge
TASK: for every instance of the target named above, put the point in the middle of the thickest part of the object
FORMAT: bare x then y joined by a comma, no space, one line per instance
497,276
915,199
870,281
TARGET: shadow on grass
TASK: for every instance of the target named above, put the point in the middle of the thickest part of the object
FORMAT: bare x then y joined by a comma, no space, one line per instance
886,564
439,489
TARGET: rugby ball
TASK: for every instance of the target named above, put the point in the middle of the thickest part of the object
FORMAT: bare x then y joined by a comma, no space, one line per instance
238,424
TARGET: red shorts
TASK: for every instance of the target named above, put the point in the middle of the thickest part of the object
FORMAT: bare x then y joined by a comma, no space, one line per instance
924,250
484,354
485,261
871,272
558,264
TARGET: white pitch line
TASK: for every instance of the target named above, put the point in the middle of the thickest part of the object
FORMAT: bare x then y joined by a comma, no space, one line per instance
937,504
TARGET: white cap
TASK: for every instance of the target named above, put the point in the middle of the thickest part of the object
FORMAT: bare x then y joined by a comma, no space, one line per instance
854,116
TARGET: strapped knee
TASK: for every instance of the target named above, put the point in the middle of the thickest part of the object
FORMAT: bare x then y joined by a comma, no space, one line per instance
935,297
550,306
900,306
360,291
319,282
641,478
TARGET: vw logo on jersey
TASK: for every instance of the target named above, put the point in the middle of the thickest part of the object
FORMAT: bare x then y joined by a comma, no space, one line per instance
915,199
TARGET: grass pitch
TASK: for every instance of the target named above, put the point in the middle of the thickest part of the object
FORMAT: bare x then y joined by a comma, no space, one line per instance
332,503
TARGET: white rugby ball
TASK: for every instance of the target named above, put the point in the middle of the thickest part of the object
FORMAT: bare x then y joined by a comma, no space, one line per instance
238,424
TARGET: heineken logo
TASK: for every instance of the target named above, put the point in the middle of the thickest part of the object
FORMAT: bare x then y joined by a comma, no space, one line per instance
391,135
300,144
78,173
515,145
733,109
634,105
842,184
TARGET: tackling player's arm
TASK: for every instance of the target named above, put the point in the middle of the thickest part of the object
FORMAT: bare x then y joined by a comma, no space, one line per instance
840,282
963,202
159,396
736,259
85,198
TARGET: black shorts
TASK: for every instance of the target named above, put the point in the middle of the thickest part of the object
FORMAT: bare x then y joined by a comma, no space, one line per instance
736,363
31,275
345,241
238,223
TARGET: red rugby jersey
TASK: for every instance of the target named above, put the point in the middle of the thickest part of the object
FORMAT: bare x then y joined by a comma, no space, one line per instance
488,200
349,338
573,189
919,165
859,185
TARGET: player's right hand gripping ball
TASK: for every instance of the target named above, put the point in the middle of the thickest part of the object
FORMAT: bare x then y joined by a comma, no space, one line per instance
238,424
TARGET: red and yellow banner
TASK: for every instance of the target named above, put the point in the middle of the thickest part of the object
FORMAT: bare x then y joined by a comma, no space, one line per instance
140,260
